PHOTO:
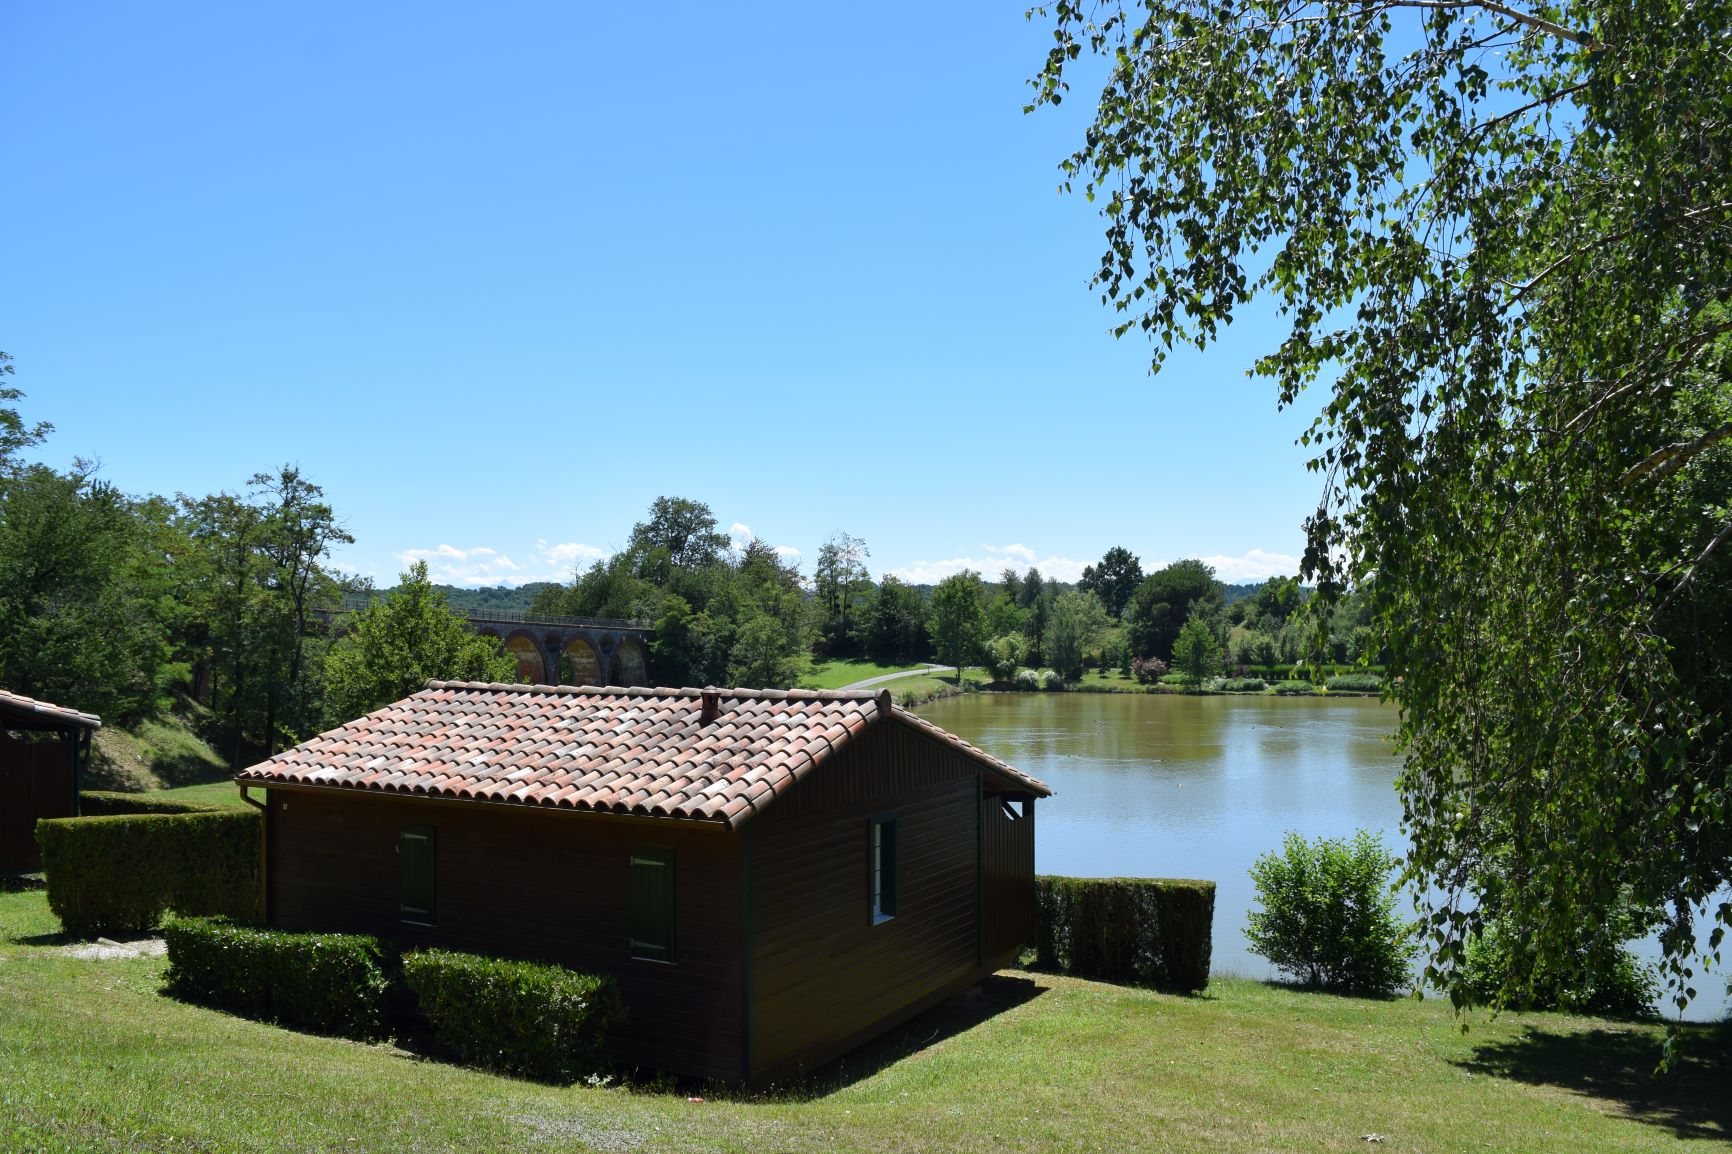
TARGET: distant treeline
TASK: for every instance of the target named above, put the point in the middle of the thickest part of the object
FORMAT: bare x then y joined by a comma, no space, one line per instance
123,604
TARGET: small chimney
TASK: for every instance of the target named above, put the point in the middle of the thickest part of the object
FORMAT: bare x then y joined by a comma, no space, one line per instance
712,705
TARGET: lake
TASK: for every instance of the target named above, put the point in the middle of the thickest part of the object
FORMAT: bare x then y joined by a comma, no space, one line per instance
1164,785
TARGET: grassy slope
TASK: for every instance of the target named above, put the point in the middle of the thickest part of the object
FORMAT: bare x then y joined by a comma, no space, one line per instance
92,1057
152,755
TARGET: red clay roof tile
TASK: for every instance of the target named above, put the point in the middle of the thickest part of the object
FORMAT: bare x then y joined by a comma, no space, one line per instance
29,709
640,751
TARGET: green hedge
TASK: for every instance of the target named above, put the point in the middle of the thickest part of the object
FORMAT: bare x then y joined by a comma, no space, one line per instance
122,874
99,803
517,1017
1355,683
1295,688
1153,931
329,983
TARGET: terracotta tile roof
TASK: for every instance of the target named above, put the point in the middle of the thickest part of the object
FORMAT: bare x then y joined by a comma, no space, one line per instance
636,751
29,709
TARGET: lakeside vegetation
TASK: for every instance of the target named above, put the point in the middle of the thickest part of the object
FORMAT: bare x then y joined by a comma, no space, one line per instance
92,1056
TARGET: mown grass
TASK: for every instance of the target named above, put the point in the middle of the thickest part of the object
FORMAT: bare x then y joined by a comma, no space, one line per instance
211,793
836,674
92,1057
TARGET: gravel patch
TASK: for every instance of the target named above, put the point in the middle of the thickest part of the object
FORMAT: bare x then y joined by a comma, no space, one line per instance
108,950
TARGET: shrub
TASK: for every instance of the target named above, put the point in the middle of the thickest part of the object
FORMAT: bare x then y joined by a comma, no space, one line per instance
1051,679
329,983
1243,685
1328,915
1295,688
1174,679
99,803
1355,683
1604,978
517,1017
1148,670
121,874
1153,931
1028,679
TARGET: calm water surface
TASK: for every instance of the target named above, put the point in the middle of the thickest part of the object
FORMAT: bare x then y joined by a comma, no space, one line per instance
1170,786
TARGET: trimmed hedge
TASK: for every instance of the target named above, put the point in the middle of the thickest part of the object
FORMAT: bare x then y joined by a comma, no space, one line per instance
517,1017
327,983
100,803
122,874
1295,688
1152,931
1355,683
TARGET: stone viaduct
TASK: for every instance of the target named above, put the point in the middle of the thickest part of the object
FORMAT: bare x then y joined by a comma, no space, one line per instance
557,650
570,650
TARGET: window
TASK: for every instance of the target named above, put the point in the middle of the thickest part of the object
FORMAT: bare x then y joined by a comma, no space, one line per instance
882,866
652,905
416,850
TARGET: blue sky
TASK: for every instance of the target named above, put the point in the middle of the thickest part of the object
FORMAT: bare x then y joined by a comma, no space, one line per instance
496,277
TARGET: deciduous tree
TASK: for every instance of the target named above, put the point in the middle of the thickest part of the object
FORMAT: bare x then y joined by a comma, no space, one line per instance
397,644
1500,236
958,620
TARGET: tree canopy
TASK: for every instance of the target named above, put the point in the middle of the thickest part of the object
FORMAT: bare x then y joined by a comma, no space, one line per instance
1114,579
396,645
1499,235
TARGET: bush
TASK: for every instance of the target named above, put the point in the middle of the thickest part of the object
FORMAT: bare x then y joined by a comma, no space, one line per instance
1604,979
517,1017
1328,915
121,874
99,803
1028,679
1243,685
329,983
1295,688
1152,931
1051,680
1148,670
1355,683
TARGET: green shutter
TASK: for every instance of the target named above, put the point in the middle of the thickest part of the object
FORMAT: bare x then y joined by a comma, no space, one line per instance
652,905
417,849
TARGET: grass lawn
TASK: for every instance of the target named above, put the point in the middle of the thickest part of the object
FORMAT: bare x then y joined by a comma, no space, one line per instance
211,793
92,1057
836,674
1110,679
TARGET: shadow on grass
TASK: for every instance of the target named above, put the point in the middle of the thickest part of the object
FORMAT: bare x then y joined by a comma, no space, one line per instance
955,1015
1618,1067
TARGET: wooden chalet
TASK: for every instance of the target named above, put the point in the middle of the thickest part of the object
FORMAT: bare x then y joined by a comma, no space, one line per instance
43,749
773,877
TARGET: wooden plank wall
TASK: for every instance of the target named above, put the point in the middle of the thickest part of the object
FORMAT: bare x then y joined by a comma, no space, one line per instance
536,884
824,978
35,782
1008,863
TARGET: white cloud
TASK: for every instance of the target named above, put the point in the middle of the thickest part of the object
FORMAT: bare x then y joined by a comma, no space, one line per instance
787,551
449,565
999,558
568,553
1254,565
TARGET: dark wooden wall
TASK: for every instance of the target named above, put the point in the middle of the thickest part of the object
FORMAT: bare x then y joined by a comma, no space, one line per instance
35,782
1007,859
535,884
824,978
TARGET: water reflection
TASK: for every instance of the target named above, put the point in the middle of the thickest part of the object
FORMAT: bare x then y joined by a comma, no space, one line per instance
1173,786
